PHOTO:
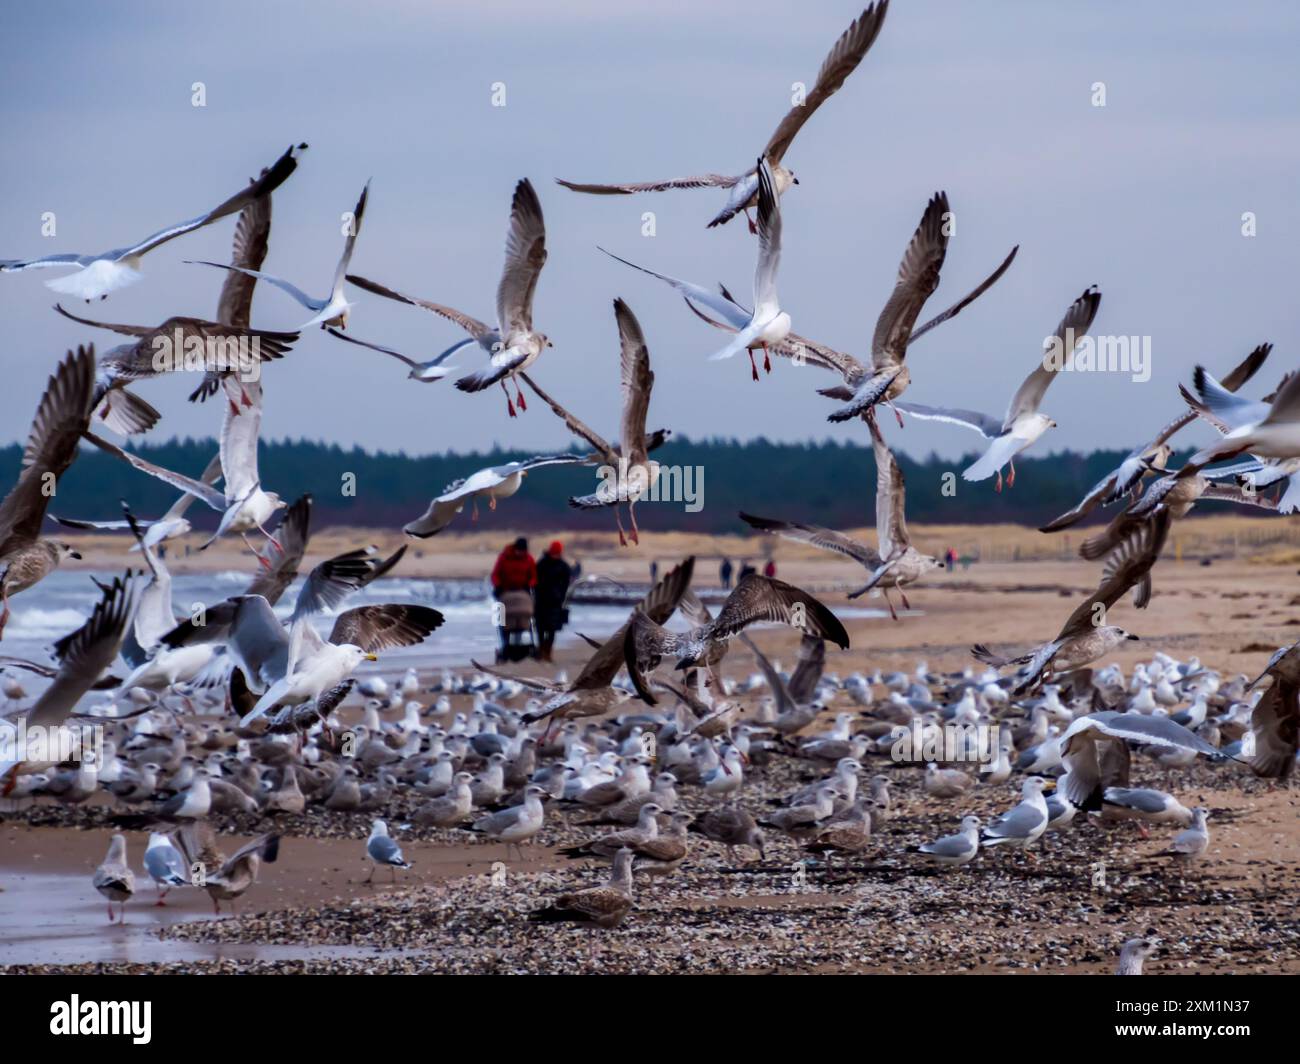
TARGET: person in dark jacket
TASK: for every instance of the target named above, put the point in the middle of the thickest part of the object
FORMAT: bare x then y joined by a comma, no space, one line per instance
553,577
724,573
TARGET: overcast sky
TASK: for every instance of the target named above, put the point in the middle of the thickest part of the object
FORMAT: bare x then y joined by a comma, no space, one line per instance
992,102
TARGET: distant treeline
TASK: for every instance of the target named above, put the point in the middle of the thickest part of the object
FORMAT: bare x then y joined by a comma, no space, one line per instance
827,483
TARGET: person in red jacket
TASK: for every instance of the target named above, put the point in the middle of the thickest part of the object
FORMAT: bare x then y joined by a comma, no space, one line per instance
515,569
514,577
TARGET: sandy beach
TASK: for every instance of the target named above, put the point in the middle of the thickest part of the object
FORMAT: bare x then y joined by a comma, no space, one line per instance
884,912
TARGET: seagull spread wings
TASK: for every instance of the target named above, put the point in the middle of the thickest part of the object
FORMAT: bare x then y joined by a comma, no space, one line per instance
63,414
1119,481
1082,783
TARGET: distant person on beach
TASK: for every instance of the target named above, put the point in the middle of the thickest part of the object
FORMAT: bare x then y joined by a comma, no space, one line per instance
553,577
769,570
654,571
513,578
724,573
745,570
950,559
515,569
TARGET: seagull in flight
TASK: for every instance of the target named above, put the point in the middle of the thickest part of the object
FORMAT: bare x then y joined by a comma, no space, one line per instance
26,557
842,60
424,372
756,598
492,483
333,309
1086,636
897,563
512,345
98,275
635,473
767,323
1023,423
1266,428
1153,456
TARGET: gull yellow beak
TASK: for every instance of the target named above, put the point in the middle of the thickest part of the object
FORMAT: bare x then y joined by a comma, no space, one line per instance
1049,786
372,657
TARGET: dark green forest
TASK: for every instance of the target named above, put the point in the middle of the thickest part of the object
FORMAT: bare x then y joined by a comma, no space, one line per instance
828,483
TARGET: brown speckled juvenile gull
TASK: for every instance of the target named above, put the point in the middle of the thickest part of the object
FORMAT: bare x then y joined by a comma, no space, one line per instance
62,416
1085,637
603,906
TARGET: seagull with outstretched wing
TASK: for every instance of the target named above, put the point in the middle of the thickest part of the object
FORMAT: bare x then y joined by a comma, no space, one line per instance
1082,782
513,344
839,63
1023,423
755,599
1152,456
1086,636
627,473
98,275
767,323
492,483
177,345
63,415
333,309
83,656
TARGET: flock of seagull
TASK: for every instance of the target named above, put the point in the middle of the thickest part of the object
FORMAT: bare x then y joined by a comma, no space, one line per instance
235,709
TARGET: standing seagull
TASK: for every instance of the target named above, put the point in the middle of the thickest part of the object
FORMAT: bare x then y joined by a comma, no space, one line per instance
114,878
958,849
97,275
1191,843
63,415
165,865
1023,824
382,850
767,323
842,60
513,345
334,309
1023,423
634,473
